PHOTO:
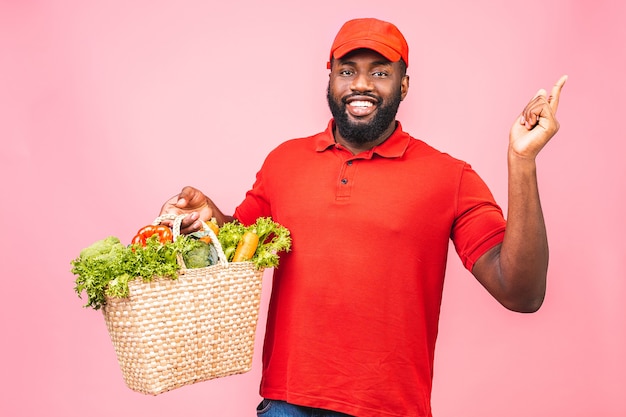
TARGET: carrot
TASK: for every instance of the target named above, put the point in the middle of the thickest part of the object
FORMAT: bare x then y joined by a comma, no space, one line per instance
246,247
214,227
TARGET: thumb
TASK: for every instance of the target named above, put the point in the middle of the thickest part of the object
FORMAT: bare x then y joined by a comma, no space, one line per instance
181,202
190,198
184,197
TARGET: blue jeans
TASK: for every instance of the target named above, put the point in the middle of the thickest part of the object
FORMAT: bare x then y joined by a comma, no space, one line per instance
275,408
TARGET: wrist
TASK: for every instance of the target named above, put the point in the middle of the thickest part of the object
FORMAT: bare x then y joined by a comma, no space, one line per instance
516,157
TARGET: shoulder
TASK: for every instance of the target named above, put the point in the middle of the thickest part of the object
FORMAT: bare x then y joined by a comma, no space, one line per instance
304,145
417,149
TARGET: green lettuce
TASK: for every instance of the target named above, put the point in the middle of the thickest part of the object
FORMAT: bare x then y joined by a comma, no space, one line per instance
105,267
273,239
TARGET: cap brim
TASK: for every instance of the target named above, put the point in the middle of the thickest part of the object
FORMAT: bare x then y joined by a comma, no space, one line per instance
389,53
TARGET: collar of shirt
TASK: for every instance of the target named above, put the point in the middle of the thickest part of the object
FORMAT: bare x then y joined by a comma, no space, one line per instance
393,147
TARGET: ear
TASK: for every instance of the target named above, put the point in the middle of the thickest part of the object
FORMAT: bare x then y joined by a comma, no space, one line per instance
404,87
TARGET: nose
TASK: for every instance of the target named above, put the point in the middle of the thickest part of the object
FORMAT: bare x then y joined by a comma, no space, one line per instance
361,82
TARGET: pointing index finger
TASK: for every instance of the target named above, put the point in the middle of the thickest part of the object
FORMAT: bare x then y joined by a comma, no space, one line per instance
556,93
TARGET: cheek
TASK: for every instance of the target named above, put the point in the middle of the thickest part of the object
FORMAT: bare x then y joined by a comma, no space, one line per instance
338,87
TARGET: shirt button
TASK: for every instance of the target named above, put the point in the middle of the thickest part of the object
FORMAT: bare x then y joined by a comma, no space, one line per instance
349,162
344,181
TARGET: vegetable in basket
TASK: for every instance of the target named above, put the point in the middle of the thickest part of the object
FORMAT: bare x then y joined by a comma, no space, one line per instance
246,247
273,238
163,232
200,254
211,224
105,267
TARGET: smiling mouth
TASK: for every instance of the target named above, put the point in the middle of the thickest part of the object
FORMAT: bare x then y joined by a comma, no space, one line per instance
358,107
359,103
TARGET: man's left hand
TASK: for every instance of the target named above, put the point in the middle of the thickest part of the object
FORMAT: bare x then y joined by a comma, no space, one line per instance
537,124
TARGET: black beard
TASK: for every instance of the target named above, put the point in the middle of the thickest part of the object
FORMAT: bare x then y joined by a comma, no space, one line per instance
362,133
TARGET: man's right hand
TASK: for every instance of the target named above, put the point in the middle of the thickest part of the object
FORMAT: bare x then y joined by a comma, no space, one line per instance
196,205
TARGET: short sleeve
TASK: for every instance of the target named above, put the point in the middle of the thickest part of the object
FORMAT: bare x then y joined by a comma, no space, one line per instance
256,204
479,224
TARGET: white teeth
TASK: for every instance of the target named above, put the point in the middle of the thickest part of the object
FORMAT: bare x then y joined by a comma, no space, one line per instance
361,104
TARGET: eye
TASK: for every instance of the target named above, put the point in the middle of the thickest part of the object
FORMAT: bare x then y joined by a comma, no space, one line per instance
380,74
346,72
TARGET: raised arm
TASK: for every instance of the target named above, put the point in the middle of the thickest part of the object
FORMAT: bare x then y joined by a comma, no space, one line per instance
198,206
515,271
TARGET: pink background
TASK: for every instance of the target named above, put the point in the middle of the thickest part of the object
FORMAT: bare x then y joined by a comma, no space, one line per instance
107,108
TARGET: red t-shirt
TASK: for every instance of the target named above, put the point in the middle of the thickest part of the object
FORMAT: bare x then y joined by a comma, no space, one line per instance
354,311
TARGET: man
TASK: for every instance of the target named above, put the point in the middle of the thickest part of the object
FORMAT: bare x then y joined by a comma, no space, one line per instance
354,311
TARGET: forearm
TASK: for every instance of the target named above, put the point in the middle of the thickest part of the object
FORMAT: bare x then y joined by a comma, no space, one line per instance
524,251
515,271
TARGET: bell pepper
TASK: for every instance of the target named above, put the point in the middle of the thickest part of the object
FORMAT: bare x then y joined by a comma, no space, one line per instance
163,232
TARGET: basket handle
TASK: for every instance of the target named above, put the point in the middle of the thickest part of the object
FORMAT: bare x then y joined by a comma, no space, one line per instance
176,232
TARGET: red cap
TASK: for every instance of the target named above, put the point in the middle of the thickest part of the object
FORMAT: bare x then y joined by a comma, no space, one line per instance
374,34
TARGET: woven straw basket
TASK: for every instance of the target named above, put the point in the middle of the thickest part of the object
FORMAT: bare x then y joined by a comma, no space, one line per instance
171,333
